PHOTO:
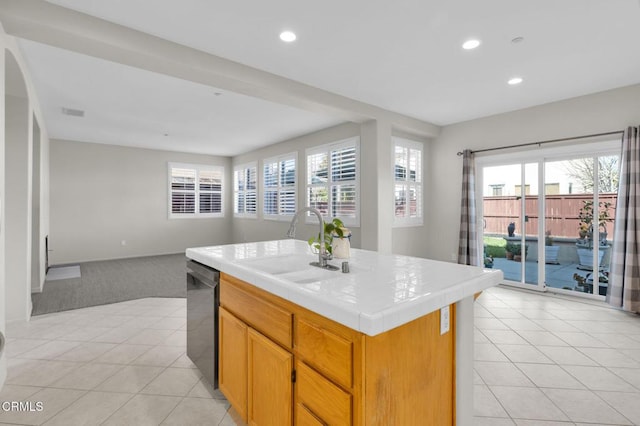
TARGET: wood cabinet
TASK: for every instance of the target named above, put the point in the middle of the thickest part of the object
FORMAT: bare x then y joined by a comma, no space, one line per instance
269,382
232,364
281,364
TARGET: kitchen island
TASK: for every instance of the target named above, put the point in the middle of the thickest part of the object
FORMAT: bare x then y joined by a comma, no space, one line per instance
390,342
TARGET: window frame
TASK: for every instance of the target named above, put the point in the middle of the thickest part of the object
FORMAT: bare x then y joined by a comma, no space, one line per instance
198,168
417,185
246,167
352,142
279,187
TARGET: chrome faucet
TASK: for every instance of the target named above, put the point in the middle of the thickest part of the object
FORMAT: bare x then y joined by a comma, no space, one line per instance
322,252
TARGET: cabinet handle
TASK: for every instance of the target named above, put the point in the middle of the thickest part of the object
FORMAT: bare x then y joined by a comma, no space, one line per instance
293,376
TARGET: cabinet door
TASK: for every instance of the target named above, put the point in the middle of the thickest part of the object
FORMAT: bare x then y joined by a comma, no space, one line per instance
270,386
233,361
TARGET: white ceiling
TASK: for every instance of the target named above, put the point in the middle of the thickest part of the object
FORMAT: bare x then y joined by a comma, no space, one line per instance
403,56
132,107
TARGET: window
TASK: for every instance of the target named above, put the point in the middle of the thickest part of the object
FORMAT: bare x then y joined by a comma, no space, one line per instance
518,189
496,189
408,182
195,190
333,179
279,187
245,196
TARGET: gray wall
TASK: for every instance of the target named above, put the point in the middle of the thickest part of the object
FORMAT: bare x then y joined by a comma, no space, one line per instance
598,113
260,229
93,229
413,240
104,194
17,291
407,240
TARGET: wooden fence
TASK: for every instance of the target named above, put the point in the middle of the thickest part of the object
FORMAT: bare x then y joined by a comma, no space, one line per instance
561,213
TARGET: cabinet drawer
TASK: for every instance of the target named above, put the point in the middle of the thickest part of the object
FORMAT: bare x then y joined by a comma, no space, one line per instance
325,402
267,318
327,352
304,417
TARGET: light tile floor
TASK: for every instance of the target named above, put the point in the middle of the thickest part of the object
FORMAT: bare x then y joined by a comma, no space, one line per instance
119,364
552,360
539,360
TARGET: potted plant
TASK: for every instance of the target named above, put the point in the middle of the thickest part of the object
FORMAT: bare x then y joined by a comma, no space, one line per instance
588,225
517,252
518,255
509,250
550,251
334,228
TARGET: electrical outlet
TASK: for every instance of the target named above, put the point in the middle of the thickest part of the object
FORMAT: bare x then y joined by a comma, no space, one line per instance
454,257
444,320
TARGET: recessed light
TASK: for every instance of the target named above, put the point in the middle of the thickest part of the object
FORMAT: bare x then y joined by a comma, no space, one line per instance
287,36
470,44
514,81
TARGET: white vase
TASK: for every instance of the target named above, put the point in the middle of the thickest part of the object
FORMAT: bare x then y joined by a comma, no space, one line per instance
551,254
340,248
585,256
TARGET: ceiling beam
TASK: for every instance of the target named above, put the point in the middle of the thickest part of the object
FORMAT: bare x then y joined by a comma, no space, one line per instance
46,23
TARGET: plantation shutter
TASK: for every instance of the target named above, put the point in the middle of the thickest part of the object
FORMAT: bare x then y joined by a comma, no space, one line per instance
210,182
287,193
343,177
270,179
279,180
408,182
183,190
333,180
195,190
245,202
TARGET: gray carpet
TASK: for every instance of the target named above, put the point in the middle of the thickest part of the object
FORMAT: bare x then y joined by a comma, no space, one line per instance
112,281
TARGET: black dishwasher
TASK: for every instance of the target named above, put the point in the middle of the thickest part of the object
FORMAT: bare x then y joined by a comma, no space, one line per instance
203,292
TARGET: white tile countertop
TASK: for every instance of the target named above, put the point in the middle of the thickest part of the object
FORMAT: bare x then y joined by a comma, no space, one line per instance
379,293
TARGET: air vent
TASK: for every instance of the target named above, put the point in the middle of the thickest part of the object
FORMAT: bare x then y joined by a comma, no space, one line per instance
73,112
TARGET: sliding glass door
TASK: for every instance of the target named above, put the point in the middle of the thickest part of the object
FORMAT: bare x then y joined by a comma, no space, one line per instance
510,220
547,219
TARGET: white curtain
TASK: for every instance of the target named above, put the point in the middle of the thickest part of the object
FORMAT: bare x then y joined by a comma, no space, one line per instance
624,289
468,243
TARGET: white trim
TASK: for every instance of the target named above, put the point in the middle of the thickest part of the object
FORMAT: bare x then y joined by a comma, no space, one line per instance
197,168
352,142
245,167
403,222
464,344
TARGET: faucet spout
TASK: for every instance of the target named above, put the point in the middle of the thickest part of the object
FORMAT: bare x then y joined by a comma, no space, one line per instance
322,252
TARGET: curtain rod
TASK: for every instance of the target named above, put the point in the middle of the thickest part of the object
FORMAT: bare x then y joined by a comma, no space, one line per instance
549,141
